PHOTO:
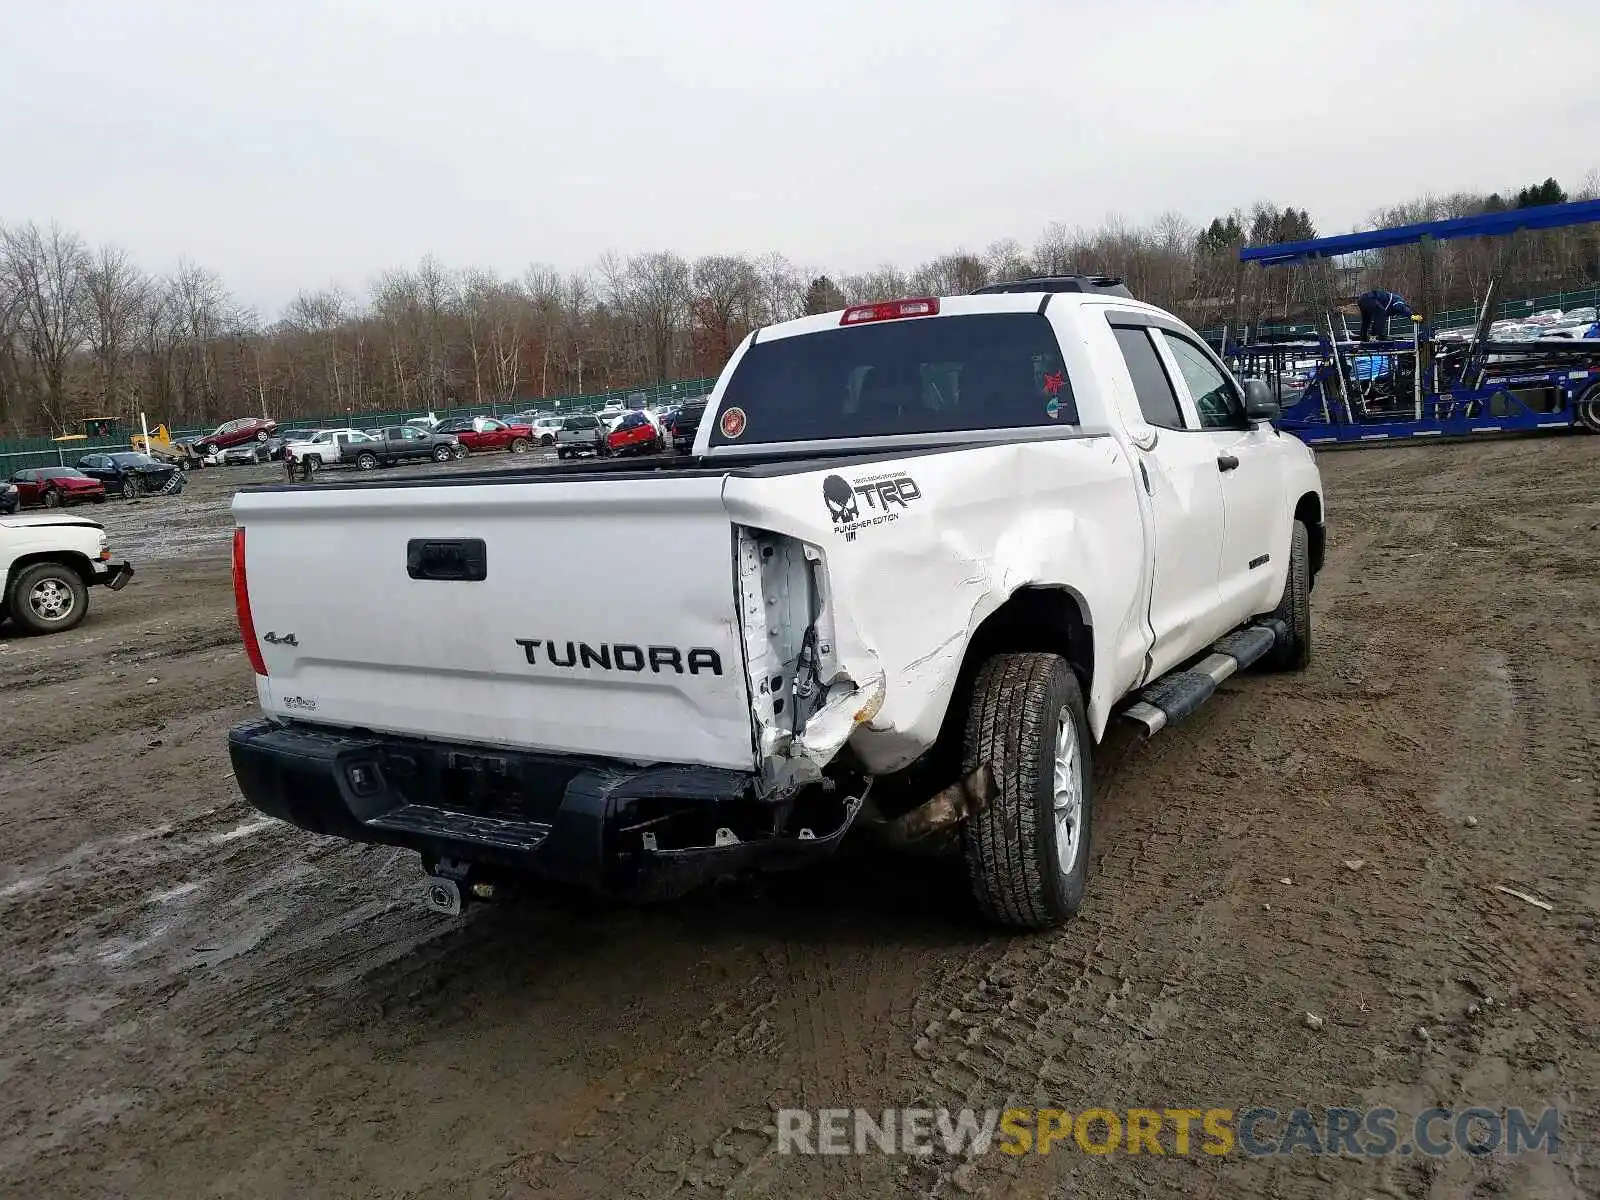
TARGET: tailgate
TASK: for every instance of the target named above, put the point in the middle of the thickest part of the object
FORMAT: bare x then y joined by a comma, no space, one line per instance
605,622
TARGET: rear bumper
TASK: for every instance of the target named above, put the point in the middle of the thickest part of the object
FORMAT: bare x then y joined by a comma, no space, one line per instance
644,832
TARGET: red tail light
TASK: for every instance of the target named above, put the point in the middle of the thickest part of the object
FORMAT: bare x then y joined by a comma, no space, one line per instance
241,601
890,310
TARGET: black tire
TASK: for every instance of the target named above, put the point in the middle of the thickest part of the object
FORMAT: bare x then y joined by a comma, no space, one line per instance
519,445
1020,703
1588,410
461,451
366,461
313,463
207,449
442,454
52,498
547,440
132,486
1294,610
39,589
261,435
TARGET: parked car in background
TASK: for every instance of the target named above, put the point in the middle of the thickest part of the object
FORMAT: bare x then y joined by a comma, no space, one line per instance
8,498
326,447
686,423
580,435
400,443
234,433
426,424
56,487
249,454
480,434
128,473
636,433
48,564
545,430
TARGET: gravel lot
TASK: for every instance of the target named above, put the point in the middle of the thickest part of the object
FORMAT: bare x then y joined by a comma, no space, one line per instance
196,1001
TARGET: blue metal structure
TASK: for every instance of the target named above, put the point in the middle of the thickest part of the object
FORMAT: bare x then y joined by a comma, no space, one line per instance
1335,390
1500,224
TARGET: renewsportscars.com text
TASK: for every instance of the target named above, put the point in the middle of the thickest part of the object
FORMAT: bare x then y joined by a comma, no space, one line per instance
1255,1132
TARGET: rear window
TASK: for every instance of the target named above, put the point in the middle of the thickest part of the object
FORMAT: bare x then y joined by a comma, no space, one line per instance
985,371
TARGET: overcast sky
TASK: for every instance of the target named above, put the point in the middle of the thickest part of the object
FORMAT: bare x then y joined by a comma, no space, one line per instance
294,144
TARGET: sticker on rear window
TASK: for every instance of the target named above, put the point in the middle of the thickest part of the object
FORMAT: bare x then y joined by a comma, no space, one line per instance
732,423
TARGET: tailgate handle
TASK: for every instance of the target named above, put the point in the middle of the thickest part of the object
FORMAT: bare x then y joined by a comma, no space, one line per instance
463,559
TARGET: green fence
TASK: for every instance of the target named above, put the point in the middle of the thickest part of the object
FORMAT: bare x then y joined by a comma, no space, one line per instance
20,453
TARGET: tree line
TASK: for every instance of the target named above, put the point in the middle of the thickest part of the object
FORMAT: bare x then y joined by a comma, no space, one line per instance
85,331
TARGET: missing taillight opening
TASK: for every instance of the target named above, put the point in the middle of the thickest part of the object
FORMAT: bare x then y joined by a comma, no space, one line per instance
890,310
241,602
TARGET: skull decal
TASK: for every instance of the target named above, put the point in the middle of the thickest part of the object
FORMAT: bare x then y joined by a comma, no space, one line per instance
841,498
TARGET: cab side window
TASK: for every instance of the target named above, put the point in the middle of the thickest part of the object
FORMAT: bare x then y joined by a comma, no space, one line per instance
1215,397
1157,399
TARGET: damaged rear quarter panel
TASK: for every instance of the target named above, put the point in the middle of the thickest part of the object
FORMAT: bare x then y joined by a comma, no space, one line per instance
974,525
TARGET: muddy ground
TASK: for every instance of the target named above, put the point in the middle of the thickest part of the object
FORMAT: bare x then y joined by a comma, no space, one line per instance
196,1001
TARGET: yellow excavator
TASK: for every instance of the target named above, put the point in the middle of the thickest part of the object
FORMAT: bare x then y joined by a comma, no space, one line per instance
160,445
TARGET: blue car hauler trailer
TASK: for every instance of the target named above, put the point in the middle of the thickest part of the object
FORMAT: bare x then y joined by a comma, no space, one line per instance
1335,389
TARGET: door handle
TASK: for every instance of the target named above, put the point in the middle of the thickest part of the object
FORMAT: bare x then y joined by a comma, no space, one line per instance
1226,462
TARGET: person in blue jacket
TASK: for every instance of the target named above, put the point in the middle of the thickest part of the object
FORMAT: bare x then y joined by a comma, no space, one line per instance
1593,331
1377,306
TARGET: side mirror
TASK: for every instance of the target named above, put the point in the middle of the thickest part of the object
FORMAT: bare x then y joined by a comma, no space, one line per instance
1259,402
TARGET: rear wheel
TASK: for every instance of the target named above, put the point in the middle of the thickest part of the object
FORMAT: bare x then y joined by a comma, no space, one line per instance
547,440
261,435
519,445
366,461
442,454
48,598
1028,853
1294,610
313,463
52,498
132,487
1589,409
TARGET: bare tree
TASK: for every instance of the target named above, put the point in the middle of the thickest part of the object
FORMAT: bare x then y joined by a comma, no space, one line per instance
114,291
323,316
44,272
727,296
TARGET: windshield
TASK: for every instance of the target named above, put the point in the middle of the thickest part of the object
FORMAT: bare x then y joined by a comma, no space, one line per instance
128,458
986,371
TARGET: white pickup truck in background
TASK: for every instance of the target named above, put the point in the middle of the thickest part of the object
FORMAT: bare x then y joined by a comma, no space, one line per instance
325,448
924,552
48,563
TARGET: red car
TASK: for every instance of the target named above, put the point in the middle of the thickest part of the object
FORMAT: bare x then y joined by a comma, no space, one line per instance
485,433
636,433
56,487
236,433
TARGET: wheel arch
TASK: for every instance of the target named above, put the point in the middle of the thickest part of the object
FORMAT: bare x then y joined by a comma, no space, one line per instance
1050,618
79,563
1309,509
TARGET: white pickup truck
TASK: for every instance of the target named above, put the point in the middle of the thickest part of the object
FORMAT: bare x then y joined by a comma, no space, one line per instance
927,548
325,448
48,563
